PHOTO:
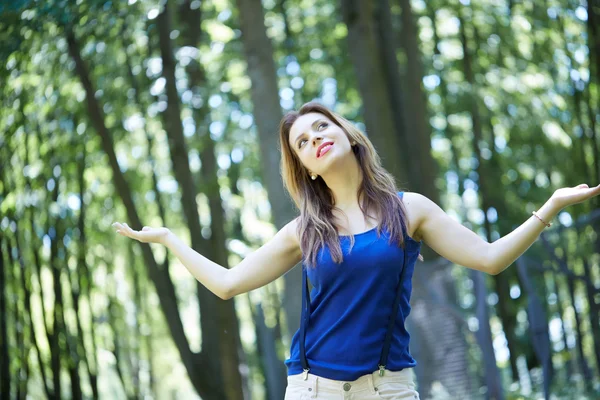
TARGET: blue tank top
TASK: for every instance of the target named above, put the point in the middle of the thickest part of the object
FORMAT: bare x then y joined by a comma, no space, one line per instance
350,307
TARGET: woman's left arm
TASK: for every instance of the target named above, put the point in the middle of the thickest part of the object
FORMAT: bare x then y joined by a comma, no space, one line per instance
462,246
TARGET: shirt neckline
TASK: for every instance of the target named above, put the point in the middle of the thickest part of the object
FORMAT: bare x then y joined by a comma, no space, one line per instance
360,233
373,229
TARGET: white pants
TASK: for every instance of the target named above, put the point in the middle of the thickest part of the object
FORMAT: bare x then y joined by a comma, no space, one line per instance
392,385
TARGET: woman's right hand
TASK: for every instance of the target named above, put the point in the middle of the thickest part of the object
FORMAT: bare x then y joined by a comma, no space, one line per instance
146,235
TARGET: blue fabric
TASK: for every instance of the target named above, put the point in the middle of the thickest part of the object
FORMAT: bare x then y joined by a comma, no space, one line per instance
350,307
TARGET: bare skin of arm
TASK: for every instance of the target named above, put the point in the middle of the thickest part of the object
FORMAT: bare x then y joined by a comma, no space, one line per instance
460,245
444,235
457,243
272,260
269,262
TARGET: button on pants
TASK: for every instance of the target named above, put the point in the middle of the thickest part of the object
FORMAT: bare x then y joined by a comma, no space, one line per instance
398,385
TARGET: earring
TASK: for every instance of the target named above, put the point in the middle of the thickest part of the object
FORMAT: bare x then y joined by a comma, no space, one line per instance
313,176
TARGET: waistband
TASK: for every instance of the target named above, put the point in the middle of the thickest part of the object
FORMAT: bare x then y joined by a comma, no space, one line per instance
366,382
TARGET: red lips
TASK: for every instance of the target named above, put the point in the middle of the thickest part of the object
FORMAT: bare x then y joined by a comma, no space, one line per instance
321,147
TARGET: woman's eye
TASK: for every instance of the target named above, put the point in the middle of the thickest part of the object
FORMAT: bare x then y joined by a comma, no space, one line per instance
318,127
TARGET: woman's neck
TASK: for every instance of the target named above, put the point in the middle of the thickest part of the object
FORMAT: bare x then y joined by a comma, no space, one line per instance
344,181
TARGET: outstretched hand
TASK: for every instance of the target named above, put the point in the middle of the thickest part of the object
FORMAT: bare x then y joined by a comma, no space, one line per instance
564,197
146,235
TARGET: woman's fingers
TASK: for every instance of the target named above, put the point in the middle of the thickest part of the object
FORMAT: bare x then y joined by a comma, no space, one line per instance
117,226
125,230
146,235
131,232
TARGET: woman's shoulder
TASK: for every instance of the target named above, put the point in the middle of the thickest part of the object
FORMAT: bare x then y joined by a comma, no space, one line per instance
414,202
293,230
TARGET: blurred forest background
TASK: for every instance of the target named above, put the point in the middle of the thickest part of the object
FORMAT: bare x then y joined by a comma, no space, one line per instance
166,114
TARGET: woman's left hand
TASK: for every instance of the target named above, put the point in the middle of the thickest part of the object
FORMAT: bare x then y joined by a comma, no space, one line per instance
564,197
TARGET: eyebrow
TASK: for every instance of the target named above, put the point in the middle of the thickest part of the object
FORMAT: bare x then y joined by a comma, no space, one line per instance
312,126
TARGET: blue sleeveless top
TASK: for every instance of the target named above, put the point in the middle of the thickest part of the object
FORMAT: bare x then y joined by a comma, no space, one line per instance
350,307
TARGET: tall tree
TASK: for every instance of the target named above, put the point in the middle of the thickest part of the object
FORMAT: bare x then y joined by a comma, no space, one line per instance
423,169
407,99
220,342
258,51
196,364
492,375
370,72
4,365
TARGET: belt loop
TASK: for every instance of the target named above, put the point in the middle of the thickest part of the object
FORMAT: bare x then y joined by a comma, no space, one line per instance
314,387
372,387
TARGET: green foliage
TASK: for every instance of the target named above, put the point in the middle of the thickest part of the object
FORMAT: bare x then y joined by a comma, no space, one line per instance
535,87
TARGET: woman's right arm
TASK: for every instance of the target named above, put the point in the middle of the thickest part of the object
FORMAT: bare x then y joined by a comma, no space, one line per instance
259,268
267,263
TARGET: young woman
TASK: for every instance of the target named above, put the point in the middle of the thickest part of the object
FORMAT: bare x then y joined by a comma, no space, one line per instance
358,239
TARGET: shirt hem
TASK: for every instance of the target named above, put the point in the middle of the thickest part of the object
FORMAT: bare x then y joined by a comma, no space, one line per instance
338,375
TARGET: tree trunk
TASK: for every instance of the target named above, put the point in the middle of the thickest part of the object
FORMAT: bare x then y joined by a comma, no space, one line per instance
146,337
372,50
53,342
84,285
502,283
26,321
21,360
538,327
264,343
201,376
449,353
113,321
493,171
423,169
220,340
403,120
359,17
564,267
66,356
583,365
258,51
4,365
492,373
484,338
217,251
568,358
593,25
38,268
593,310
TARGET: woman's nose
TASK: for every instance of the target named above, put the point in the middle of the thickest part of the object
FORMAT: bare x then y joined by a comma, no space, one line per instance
318,138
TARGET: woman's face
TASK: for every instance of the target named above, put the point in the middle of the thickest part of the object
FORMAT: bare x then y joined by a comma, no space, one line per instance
318,142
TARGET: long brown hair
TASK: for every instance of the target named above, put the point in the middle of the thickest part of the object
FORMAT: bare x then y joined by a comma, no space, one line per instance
315,200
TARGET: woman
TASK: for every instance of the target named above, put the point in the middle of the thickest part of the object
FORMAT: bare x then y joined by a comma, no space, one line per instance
358,239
